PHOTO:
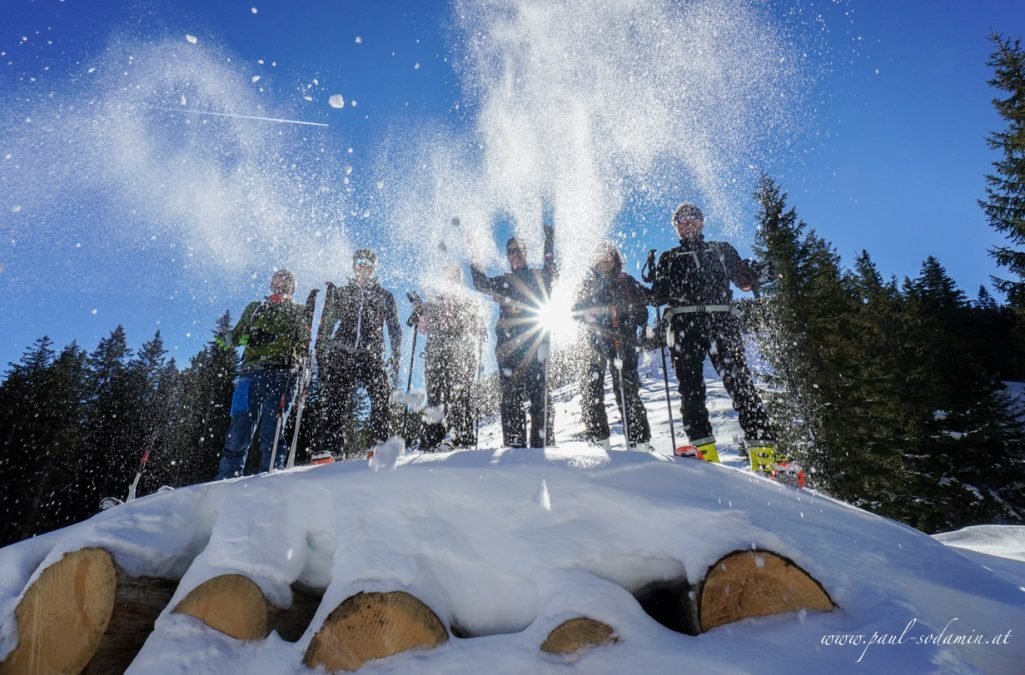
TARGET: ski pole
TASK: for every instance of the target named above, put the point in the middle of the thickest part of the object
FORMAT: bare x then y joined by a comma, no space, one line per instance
409,380
305,375
304,384
277,428
617,363
478,392
548,358
665,372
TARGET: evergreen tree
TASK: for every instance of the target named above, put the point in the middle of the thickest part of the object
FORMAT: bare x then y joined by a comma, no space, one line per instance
800,311
968,457
112,447
1005,192
201,414
40,426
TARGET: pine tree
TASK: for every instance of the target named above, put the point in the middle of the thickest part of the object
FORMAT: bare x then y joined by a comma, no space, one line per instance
22,436
40,424
968,459
111,447
800,311
1005,192
201,414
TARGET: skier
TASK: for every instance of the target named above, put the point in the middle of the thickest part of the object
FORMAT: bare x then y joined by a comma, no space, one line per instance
521,344
612,306
693,280
454,326
274,334
351,353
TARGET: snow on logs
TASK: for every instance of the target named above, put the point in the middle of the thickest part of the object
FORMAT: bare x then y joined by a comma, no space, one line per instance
84,614
746,584
372,626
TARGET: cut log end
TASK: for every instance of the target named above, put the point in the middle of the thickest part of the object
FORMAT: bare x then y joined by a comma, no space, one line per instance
230,603
64,614
373,626
578,634
748,584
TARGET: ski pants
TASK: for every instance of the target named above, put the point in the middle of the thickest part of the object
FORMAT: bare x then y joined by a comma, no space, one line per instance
601,355
716,335
450,371
345,371
259,397
523,381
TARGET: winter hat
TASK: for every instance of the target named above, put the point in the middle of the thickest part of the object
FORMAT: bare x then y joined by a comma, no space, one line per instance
283,282
687,211
364,255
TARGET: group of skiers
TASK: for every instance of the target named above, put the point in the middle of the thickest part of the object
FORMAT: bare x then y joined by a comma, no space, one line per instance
691,281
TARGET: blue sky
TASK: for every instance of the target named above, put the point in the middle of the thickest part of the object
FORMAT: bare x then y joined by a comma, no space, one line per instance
119,203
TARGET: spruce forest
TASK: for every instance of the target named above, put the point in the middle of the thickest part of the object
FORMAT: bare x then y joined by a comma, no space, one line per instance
897,395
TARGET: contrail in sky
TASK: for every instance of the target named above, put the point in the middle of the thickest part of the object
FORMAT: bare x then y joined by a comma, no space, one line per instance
244,117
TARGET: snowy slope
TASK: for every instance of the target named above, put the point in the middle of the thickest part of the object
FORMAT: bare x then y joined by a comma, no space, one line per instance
507,544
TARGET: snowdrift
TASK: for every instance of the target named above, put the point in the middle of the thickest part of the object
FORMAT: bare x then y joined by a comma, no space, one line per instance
602,557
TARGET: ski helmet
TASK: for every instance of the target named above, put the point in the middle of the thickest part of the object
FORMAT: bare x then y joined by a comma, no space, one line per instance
687,211
282,283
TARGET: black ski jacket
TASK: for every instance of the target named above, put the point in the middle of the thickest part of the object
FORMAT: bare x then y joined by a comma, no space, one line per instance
452,317
699,272
354,319
615,298
519,295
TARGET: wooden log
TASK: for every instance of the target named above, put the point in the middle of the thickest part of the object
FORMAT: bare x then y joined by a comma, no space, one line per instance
230,603
373,626
747,584
577,634
84,614
234,605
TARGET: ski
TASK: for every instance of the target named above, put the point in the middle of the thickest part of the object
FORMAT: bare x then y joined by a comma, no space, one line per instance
109,502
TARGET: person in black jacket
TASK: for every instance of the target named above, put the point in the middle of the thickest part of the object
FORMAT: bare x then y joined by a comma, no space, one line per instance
351,352
693,281
521,343
612,306
454,327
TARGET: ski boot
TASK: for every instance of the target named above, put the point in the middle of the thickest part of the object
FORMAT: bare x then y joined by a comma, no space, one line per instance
703,448
762,455
789,473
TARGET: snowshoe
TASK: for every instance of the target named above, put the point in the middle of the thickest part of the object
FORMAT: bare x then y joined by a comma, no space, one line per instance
323,457
704,451
110,502
688,451
789,473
